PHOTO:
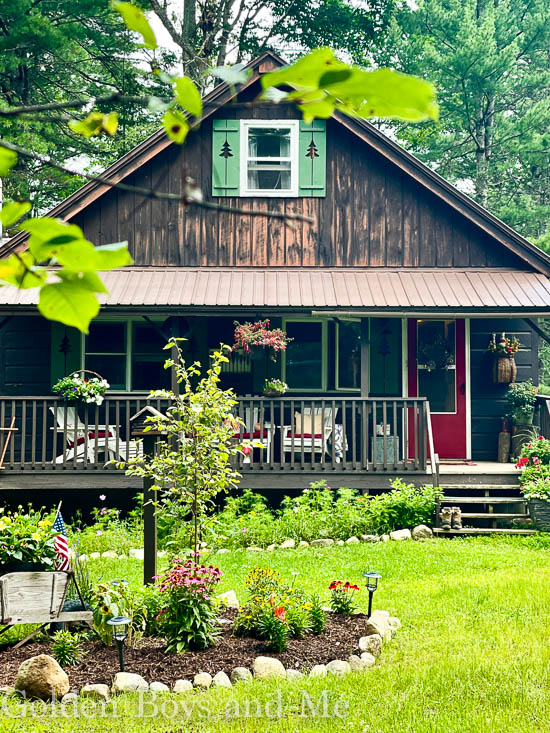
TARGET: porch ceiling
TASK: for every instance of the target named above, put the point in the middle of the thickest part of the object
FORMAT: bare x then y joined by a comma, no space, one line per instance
486,289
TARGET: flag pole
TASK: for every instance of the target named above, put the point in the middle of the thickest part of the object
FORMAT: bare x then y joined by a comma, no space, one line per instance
59,508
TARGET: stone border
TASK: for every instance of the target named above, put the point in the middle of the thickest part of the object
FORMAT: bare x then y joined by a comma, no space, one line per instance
379,629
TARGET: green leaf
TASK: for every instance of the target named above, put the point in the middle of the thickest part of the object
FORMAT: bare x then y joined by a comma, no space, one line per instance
7,160
232,74
89,280
306,73
176,125
135,20
20,270
48,233
109,256
68,303
188,96
96,123
13,211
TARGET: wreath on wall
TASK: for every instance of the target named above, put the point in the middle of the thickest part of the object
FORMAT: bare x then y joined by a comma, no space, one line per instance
437,354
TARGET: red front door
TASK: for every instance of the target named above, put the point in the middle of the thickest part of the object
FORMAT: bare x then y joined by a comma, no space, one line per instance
437,370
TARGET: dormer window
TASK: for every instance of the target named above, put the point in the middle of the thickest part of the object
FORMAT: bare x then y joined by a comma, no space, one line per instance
269,158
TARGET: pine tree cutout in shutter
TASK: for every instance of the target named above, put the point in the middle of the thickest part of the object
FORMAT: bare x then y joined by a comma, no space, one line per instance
312,162
225,158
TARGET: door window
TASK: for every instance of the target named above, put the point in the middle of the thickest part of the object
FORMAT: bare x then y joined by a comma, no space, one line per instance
436,359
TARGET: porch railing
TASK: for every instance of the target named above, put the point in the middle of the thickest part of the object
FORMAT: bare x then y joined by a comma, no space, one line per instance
289,433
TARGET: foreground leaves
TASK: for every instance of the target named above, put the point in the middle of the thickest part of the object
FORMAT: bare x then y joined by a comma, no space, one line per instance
134,19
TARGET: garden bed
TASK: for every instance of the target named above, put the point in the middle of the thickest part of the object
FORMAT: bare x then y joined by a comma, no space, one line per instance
338,641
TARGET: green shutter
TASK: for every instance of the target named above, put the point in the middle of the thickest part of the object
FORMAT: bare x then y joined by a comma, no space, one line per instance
225,157
313,158
65,352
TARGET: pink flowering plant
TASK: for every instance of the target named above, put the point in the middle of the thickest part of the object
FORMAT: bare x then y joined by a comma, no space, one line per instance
188,614
249,336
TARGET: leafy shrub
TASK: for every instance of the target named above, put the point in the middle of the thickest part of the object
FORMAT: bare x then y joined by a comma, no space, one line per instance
535,480
117,598
405,506
537,451
273,626
188,614
317,615
67,648
521,397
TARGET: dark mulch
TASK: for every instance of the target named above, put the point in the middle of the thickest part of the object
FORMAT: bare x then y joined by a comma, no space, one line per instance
149,659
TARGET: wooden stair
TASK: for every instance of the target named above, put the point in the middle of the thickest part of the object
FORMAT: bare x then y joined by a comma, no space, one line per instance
480,505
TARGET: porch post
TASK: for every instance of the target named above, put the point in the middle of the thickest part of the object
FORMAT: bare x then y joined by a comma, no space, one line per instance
149,518
364,357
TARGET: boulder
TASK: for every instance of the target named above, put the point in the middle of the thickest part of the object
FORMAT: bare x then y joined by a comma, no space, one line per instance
223,551
267,667
229,599
367,659
352,541
340,543
371,644
137,553
109,554
422,532
319,670
378,624
202,680
42,677
254,549
370,538
338,667
158,687
356,663
384,538
221,680
241,674
95,555
128,682
288,545
293,674
270,548
303,543
182,686
82,558
69,698
401,534
326,542
394,623
96,692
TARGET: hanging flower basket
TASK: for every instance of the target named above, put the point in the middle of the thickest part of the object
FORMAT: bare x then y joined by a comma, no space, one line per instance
76,388
257,339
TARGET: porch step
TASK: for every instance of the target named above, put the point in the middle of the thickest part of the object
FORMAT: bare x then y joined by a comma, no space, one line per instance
482,500
480,487
482,530
493,515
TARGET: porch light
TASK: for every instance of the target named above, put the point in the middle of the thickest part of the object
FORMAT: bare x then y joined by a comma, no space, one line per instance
371,580
120,626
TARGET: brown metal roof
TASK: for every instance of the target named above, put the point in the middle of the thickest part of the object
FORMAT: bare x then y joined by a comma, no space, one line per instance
430,289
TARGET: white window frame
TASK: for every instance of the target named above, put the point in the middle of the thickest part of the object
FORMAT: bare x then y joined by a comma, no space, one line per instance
324,354
337,351
245,125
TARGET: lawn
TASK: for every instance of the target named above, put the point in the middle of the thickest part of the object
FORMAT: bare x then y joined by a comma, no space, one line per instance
473,654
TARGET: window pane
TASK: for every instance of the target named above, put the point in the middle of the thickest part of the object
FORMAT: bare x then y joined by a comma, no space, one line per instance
106,337
304,355
277,179
147,340
436,360
148,374
269,142
385,362
349,355
112,368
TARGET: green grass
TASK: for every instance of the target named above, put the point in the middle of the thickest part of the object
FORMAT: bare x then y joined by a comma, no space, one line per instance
473,654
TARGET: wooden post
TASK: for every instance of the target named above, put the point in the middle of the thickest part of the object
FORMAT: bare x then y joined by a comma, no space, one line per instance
149,518
364,357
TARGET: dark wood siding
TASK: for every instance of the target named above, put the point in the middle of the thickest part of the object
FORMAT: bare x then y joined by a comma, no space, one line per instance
25,356
488,399
373,215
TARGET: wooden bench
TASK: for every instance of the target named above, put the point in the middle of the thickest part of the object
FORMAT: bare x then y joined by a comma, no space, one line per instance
37,598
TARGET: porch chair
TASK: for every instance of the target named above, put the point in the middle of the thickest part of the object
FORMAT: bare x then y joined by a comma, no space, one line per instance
311,432
98,438
251,431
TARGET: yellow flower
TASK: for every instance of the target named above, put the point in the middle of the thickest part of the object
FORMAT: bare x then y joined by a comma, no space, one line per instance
2,526
7,520
36,536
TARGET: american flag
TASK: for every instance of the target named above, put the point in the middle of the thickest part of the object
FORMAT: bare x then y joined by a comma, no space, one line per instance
61,545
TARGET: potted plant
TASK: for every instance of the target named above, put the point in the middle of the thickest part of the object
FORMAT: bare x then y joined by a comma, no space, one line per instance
255,338
26,541
521,397
274,387
75,388
504,368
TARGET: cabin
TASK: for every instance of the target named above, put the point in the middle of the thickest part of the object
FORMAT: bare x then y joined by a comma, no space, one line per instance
391,292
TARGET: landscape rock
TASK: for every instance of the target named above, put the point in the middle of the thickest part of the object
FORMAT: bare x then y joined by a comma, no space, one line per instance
254,549
378,624
394,623
288,545
270,548
338,667
223,551
6,690
319,670
422,532
293,674
95,555
203,680
229,598
109,554
82,558
221,680
42,677
371,644
137,553
96,692
69,698
384,538
161,553
267,667
340,543
370,538
356,663
158,687
367,659
182,686
326,542
303,543
241,674
352,541
128,682
401,534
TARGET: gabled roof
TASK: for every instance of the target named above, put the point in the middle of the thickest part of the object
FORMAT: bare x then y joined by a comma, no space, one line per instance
367,132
